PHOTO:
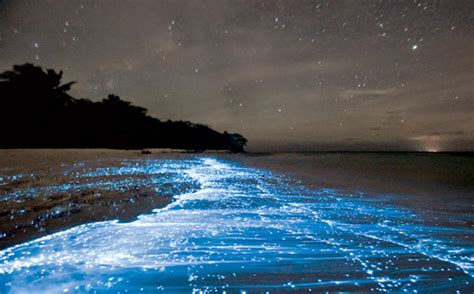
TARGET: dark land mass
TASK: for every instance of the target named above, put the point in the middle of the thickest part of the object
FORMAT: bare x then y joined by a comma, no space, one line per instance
36,111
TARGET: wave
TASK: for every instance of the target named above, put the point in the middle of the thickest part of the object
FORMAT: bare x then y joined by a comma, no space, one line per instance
246,229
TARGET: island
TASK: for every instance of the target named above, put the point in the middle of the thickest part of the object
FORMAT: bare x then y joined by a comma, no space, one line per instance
36,111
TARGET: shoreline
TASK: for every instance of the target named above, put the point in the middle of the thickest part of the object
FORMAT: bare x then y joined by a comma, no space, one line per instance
250,221
41,215
41,218
52,198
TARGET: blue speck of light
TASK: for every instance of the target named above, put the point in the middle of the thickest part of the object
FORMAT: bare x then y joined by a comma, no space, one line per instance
244,230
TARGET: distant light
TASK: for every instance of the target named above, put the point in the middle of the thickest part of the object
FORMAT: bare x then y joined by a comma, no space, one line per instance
414,47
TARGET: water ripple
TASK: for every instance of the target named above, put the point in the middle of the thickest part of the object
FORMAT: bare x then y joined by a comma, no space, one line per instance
246,229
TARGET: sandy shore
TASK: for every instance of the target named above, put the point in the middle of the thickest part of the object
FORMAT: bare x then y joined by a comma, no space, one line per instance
236,227
36,200
21,222
436,183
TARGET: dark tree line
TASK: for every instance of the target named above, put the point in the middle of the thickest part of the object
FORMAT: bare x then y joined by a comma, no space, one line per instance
36,111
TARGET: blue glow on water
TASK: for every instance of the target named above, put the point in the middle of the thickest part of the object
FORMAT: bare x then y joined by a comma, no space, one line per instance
243,229
164,177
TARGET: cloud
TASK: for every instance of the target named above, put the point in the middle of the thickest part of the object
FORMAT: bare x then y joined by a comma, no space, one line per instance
438,136
230,65
365,93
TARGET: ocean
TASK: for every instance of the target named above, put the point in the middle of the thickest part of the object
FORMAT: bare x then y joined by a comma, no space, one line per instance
226,223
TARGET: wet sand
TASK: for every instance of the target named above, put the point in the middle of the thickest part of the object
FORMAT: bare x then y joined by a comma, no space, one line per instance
41,193
424,181
20,222
240,228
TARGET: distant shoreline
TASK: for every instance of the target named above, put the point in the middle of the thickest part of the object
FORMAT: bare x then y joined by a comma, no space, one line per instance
37,111
210,151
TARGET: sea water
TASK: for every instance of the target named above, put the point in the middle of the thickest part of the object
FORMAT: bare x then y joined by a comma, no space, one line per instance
248,230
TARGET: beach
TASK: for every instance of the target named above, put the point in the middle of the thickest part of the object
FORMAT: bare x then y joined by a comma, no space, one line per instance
108,220
44,191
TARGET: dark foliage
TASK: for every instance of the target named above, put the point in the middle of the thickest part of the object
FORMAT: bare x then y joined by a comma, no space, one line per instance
37,112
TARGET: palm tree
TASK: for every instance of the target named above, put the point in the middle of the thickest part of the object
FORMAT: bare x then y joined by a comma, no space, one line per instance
30,85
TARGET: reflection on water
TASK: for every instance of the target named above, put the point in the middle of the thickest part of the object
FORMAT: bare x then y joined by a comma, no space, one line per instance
247,229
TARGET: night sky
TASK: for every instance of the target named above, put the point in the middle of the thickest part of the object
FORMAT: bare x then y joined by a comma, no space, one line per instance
288,75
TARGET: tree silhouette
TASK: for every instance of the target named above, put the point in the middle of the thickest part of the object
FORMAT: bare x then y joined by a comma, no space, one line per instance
37,111
31,84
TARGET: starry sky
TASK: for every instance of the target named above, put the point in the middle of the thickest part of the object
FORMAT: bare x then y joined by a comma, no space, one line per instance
288,75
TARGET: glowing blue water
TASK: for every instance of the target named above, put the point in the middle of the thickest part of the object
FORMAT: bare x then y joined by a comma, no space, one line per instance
247,229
